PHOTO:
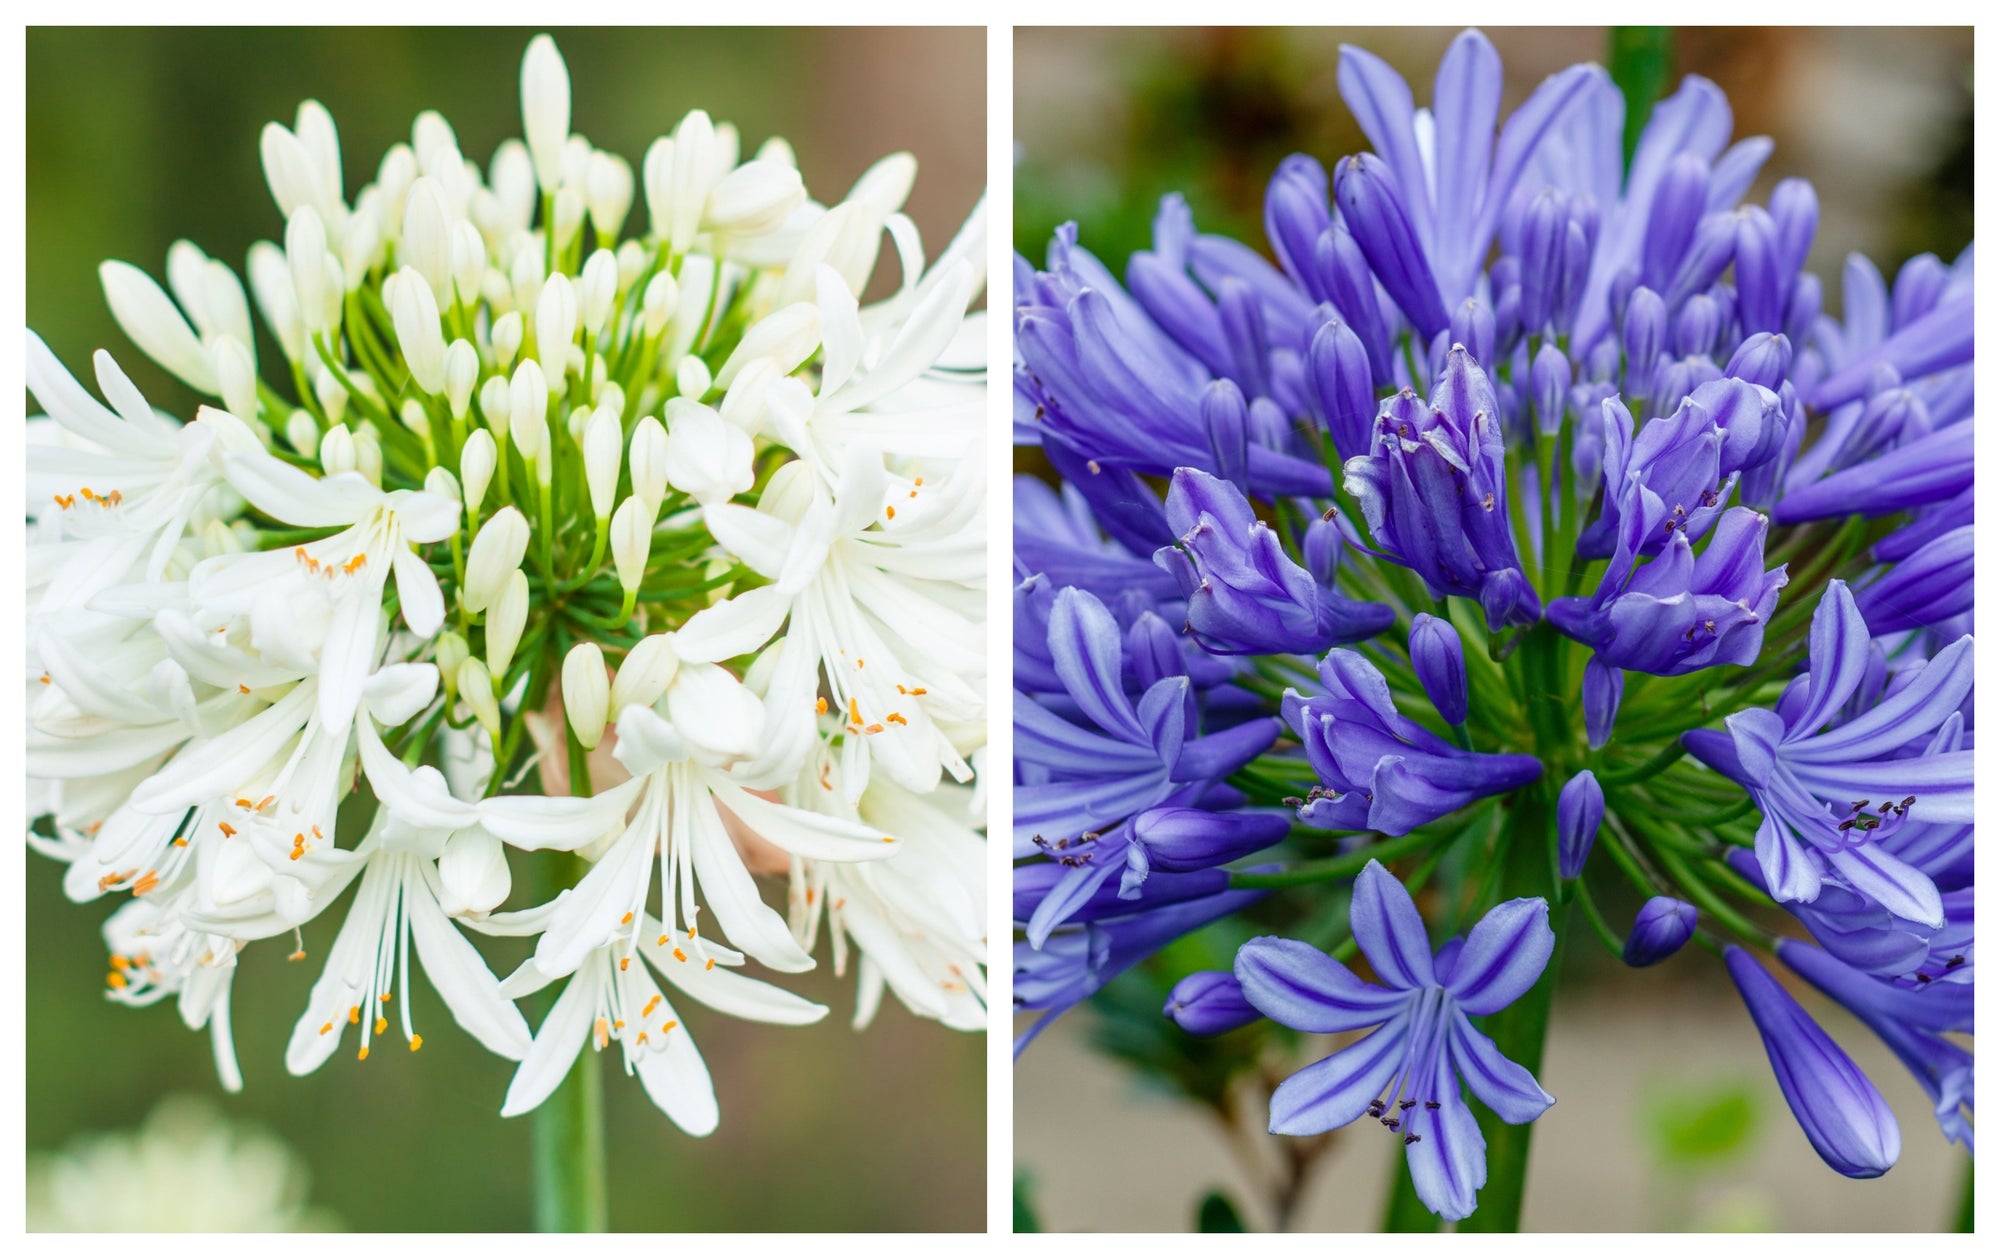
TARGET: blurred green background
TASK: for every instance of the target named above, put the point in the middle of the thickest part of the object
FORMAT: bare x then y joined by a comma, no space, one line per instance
1671,1118
136,138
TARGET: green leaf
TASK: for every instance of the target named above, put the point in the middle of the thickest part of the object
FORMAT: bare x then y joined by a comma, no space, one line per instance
1217,1214
1640,58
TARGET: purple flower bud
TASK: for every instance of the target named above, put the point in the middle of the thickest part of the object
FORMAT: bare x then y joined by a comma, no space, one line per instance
1662,927
1697,327
1439,659
1932,584
1209,1003
1795,216
1677,378
1472,327
1678,202
1181,840
1374,213
1295,214
1579,242
1645,339
1764,358
1543,230
1226,418
1579,812
1322,547
1804,310
1179,306
1345,279
1343,385
1507,599
1840,1110
1506,318
1603,688
1550,380
1243,332
1762,288
1918,285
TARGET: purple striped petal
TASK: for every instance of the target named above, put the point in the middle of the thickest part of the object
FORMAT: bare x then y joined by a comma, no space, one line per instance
1503,956
1297,985
1389,929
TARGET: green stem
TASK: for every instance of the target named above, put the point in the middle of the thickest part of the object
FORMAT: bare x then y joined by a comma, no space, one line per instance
1407,1212
568,1132
1347,865
1963,1222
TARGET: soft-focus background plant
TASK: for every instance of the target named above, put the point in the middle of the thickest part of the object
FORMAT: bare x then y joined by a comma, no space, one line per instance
1668,1115
137,138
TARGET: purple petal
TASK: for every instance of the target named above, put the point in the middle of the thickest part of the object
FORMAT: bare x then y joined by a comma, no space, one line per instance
1503,956
1506,1086
1390,931
1297,985
1334,1091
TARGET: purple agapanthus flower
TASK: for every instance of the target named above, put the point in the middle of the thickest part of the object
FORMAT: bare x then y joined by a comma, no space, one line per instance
1380,770
1833,786
1433,489
1244,595
1408,1073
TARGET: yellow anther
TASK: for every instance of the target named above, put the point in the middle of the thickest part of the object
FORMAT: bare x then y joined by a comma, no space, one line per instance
650,1004
896,719
225,828
381,1025
354,1014
626,920
416,1042
891,511
115,979
819,704
363,1055
709,964
671,1025
325,1029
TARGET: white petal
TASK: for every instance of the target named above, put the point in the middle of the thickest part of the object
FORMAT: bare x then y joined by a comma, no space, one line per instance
557,1043
463,979
812,835
418,593
735,627
750,924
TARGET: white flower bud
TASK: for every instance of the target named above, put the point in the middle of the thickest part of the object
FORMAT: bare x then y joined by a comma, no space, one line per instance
209,292
778,149
608,188
426,242
475,687
271,281
646,673
632,259
555,323
495,553
694,174
441,482
885,186
305,251
609,394
497,405
708,458
586,693
656,179
361,244
507,334
302,432
452,652
418,331
600,290
393,178
568,220
288,169
575,162
754,199
662,296
143,309
631,541
235,377
475,466
461,373
649,461
336,451
368,454
414,417
505,621
316,132
545,109
468,262
715,712
528,410
331,393
512,179
578,417
692,379
603,449
526,273
746,404
473,879
787,336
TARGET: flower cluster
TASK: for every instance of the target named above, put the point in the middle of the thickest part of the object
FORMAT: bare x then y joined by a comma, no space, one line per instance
1529,504
605,539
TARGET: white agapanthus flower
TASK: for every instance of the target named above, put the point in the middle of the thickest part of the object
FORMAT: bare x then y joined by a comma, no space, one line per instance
591,516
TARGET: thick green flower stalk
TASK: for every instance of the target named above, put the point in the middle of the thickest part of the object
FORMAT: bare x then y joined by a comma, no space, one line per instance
589,514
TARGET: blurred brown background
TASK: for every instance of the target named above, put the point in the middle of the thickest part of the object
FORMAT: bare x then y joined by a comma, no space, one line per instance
1669,1116
136,138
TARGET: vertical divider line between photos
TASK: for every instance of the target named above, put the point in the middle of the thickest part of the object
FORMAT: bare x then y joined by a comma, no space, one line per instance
998,769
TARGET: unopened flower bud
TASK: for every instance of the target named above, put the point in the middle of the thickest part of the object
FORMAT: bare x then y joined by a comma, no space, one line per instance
496,403
555,323
461,373
1209,1003
473,878
305,253
336,451
632,541
507,333
646,673
426,243
586,693
600,290
607,184
475,469
418,331
441,482
1662,927
1439,660
603,450
707,457
528,410
452,652
754,199
1579,812
545,109
468,262
495,553
661,297
235,377
271,281
692,378
1603,688
475,687
609,395
414,417
368,454
649,461
302,431
505,621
